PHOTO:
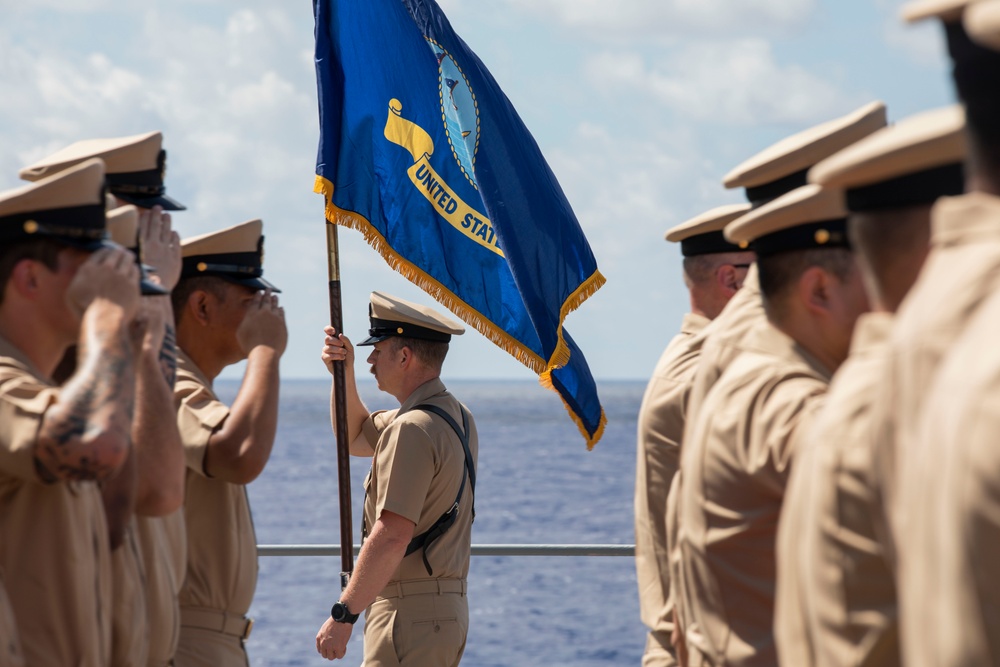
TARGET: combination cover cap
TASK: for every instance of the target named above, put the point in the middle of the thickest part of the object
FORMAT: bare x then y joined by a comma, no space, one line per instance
391,316
135,166
702,234
235,254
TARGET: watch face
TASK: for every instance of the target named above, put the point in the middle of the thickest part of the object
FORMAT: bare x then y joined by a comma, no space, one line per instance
338,612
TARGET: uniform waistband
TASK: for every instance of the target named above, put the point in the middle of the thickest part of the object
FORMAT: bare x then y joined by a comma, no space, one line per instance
400,589
215,619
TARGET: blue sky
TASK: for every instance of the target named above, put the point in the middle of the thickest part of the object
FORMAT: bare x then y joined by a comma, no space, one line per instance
640,106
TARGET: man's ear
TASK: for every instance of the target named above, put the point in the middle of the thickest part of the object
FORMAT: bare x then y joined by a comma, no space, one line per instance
728,280
816,290
26,279
405,356
200,306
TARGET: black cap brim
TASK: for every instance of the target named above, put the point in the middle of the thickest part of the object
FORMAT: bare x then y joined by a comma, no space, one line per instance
165,202
88,245
253,283
146,286
371,340
149,288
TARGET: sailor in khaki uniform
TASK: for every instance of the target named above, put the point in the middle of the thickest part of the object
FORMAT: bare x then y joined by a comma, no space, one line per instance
836,601
775,171
410,576
946,526
714,270
738,450
962,269
62,284
155,494
151,492
226,312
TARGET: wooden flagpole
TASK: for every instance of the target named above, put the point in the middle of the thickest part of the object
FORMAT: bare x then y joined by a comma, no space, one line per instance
340,410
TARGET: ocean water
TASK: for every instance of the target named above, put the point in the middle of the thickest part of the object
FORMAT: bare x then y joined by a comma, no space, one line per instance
537,484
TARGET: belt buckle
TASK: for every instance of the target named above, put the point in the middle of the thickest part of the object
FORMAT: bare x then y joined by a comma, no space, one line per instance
247,630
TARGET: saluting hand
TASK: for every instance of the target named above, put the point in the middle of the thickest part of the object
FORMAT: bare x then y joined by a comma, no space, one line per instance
160,245
331,640
336,348
264,324
153,314
110,274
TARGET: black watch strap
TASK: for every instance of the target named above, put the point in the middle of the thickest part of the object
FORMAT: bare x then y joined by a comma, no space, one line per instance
341,614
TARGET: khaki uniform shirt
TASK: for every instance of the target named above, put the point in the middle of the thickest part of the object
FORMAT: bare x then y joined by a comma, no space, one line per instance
129,627
949,483
738,452
726,337
660,430
54,547
416,473
962,269
836,604
163,542
222,547
721,342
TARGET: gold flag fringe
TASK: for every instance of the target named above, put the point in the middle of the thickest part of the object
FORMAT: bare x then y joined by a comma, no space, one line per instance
545,379
560,356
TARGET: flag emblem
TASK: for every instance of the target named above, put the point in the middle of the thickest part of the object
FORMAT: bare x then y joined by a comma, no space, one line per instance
458,111
423,153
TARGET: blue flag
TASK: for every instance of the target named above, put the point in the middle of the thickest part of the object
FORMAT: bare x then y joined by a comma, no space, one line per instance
423,153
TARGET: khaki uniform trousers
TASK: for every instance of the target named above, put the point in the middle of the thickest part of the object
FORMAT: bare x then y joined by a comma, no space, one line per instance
417,624
211,638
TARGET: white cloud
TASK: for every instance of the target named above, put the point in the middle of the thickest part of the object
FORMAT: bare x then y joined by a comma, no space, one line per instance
734,82
235,98
49,99
70,6
231,83
671,17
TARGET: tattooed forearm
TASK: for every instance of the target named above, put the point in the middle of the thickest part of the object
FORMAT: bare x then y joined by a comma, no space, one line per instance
168,356
86,434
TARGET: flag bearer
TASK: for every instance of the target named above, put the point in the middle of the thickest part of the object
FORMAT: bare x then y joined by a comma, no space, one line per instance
411,573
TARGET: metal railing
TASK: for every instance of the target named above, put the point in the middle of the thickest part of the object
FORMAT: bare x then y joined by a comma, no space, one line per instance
477,550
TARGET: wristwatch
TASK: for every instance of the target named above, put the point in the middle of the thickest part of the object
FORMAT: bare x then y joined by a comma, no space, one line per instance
341,614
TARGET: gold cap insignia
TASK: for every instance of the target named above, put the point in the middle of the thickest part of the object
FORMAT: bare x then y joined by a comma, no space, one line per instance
202,266
744,245
30,226
399,330
822,236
